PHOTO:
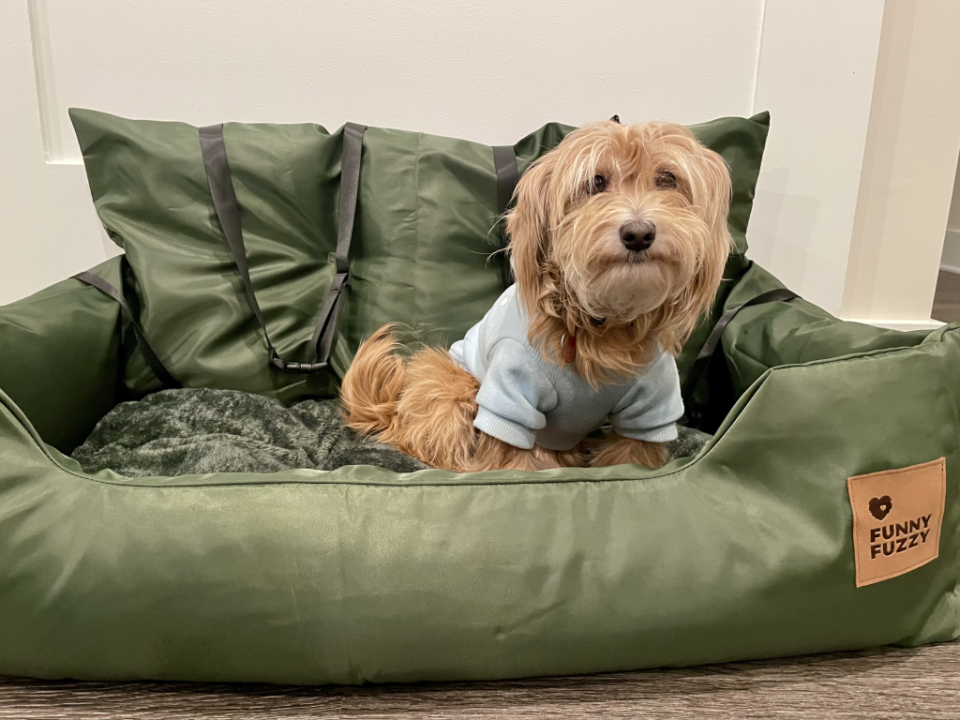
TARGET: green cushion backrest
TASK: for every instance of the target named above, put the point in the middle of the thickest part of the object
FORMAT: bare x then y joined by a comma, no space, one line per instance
422,241
420,255
151,193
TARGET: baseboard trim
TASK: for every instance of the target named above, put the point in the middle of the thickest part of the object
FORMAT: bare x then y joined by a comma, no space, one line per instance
902,325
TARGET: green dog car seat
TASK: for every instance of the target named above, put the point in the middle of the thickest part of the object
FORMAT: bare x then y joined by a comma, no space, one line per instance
795,530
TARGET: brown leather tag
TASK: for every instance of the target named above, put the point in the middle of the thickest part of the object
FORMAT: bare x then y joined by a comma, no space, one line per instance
897,516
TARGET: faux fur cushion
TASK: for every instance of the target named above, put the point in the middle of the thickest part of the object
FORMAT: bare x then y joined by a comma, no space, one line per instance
196,430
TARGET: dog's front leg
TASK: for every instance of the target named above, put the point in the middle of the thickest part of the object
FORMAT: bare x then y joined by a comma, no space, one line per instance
618,450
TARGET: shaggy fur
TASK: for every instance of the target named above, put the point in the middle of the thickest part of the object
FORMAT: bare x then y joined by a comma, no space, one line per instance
577,278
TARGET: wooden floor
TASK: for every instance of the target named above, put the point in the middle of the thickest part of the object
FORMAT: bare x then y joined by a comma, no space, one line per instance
881,683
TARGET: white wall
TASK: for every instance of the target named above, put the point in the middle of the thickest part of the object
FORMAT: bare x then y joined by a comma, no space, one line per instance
488,71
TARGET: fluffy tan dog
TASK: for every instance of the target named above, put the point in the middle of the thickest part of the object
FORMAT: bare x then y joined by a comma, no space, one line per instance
618,242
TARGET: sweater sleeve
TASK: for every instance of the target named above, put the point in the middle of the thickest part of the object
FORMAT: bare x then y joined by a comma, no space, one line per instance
651,408
514,396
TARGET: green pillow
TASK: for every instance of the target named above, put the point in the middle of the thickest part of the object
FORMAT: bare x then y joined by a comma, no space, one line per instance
425,229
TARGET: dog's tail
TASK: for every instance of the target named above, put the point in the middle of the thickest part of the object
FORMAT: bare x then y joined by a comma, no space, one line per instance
371,388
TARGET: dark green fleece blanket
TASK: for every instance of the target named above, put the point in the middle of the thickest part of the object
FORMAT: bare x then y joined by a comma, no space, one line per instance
196,430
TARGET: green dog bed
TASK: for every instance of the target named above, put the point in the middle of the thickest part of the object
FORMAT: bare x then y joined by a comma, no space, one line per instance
821,515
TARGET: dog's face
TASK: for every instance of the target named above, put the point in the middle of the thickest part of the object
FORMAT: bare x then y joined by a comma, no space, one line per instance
622,222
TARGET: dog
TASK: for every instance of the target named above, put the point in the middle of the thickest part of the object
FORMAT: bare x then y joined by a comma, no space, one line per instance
618,240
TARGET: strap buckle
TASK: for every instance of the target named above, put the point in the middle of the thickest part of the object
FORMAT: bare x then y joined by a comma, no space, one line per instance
225,205
322,337
339,280
295,367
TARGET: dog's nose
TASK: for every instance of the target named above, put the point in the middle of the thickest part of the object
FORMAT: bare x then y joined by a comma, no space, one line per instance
638,235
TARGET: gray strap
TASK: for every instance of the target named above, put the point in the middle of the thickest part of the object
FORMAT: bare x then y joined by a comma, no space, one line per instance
706,353
508,175
227,208
225,204
349,190
149,355
326,330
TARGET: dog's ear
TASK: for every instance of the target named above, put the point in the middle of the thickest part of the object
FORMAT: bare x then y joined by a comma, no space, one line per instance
528,226
710,189
713,192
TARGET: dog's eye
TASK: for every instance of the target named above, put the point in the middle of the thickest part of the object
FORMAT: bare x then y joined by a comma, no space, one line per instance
666,180
599,184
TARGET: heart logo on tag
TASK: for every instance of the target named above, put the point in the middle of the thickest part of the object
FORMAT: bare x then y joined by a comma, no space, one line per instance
881,507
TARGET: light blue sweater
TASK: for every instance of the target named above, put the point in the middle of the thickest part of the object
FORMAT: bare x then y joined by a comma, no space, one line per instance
525,400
